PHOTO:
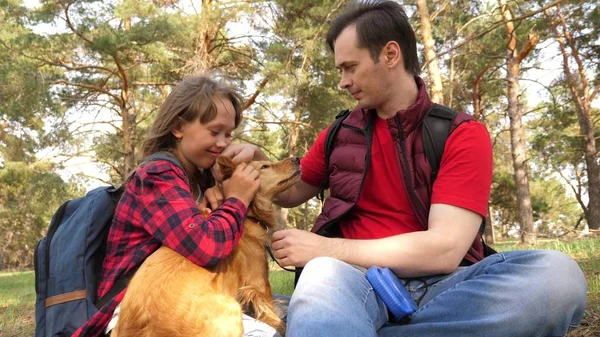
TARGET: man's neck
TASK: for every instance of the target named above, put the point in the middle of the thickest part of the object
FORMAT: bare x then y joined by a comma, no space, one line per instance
403,94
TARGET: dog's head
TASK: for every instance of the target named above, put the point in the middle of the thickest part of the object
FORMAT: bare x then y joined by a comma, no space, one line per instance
274,179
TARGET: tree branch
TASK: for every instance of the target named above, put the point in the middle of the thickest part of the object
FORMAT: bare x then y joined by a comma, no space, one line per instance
257,92
494,26
70,24
154,84
90,87
528,48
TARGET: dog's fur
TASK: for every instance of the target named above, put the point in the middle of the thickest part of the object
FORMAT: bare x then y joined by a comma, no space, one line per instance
171,296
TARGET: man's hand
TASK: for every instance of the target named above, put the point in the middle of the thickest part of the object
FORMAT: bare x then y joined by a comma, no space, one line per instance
239,153
212,198
294,247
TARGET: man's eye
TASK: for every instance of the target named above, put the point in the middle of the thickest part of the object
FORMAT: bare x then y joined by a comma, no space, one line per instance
264,167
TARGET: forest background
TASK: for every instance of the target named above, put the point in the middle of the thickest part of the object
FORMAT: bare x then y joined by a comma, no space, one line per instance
81,82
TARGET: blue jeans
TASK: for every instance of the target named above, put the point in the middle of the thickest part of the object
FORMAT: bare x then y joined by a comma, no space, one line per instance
518,293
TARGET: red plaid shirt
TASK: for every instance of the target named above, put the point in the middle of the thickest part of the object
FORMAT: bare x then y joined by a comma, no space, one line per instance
157,208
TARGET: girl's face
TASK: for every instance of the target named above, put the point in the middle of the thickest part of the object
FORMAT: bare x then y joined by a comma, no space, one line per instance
199,145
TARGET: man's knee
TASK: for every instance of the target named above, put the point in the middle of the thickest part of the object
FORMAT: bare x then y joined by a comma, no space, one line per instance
556,281
323,269
565,279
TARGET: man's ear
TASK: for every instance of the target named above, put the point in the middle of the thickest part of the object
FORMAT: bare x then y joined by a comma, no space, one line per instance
392,54
226,167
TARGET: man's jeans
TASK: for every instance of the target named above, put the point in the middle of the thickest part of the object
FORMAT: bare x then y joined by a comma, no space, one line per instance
509,294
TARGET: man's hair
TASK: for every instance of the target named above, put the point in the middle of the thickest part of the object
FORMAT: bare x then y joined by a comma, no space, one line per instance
377,23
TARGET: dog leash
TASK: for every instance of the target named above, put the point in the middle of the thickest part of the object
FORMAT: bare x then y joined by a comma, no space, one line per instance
268,247
274,259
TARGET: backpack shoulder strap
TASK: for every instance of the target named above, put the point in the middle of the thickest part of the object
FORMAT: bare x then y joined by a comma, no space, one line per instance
163,156
436,127
120,284
332,132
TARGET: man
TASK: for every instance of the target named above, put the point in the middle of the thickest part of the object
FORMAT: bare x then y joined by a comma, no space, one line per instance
385,211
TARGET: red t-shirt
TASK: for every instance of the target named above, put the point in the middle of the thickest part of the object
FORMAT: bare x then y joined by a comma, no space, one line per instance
383,208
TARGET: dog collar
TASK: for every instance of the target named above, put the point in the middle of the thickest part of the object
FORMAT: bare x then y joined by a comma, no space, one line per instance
258,223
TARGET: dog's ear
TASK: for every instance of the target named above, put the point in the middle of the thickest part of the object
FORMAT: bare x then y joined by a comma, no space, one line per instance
226,167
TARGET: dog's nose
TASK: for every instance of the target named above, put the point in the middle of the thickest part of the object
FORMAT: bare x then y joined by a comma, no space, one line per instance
295,160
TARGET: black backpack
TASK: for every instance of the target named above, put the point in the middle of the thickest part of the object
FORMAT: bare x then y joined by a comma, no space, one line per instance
435,131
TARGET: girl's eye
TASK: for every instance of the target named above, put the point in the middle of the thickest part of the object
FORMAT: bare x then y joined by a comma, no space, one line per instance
264,167
228,135
214,133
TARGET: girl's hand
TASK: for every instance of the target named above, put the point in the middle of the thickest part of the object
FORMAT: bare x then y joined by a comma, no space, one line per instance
212,198
242,184
239,153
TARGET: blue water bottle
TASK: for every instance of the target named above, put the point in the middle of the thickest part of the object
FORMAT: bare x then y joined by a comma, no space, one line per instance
388,287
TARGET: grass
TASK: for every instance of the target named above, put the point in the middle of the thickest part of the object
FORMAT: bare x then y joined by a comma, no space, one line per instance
17,299
17,294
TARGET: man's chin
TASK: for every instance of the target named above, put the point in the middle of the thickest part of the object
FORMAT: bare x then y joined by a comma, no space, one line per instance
364,104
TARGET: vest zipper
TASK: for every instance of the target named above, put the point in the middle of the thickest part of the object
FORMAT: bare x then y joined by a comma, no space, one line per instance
408,186
365,132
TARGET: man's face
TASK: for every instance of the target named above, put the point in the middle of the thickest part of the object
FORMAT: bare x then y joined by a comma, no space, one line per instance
364,79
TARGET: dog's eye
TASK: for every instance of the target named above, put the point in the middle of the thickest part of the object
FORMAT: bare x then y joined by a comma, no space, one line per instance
264,167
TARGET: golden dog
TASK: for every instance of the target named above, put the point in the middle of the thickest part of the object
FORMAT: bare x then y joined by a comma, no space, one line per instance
171,296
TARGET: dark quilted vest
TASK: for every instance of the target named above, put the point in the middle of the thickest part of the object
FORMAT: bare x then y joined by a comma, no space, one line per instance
350,161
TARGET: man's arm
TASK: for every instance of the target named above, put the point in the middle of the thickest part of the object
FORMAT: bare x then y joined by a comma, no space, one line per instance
296,195
437,250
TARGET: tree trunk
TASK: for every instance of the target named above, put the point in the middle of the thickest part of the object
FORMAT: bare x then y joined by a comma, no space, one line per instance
582,96
489,227
8,237
517,135
284,212
128,114
451,82
430,55
477,95
129,123
305,216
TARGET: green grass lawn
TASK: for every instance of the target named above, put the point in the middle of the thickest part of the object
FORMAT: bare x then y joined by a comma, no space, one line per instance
17,299
17,294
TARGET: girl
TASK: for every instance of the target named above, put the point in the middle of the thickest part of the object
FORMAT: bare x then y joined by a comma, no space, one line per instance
159,203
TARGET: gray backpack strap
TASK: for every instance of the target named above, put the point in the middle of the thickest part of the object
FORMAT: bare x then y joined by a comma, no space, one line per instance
163,156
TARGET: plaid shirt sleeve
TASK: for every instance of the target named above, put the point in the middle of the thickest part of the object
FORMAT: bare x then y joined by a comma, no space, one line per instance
97,324
171,215
156,209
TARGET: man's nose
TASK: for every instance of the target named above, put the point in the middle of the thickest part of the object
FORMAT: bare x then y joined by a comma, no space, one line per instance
344,82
